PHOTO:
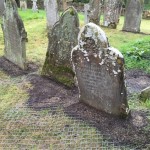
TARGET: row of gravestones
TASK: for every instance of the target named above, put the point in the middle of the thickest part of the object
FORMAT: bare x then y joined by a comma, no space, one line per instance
97,67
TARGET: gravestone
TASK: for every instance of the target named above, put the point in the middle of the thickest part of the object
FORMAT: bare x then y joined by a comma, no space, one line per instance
23,4
34,5
92,11
111,13
52,15
86,12
15,35
133,15
1,7
62,38
99,70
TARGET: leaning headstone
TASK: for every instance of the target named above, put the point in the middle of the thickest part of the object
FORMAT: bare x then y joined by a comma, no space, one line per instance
99,71
52,14
1,8
62,38
15,35
133,15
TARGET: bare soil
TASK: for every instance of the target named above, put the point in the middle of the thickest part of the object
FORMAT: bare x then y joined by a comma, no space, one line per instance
47,93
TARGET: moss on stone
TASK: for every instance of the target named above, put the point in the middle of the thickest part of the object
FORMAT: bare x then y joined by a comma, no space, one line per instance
62,74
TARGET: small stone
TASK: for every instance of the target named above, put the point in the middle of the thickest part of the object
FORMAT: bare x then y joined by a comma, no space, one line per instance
145,94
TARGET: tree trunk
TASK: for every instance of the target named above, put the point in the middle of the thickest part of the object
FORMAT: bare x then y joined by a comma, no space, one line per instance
133,15
111,13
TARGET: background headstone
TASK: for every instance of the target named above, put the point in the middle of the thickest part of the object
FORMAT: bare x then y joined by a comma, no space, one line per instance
52,13
15,35
1,7
86,12
23,4
133,15
100,71
62,38
34,6
94,11
111,13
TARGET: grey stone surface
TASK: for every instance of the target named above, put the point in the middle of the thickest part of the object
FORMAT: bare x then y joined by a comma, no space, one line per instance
1,7
62,38
86,12
94,11
133,15
15,35
99,70
52,13
111,13
145,94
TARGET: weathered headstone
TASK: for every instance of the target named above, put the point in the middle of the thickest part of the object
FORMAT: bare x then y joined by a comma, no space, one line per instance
34,6
23,4
111,13
62,38
133,15
15,35
51,12
99,71
86,12
93,11
1,7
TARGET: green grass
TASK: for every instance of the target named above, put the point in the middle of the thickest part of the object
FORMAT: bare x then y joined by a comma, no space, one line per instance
14,91
147,7
147,103
30,15
137,54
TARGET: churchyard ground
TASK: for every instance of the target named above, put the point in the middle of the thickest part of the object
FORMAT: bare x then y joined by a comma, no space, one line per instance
31,106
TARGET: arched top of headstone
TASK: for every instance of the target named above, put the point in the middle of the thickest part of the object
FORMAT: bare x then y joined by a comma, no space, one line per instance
67,28
94,33
68,18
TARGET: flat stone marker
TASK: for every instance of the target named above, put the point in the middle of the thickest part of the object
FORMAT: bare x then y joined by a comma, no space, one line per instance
99,71
15,35
133,15
52,14
62,38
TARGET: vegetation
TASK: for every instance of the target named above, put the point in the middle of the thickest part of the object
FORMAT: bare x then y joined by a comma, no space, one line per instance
137,54
14,90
